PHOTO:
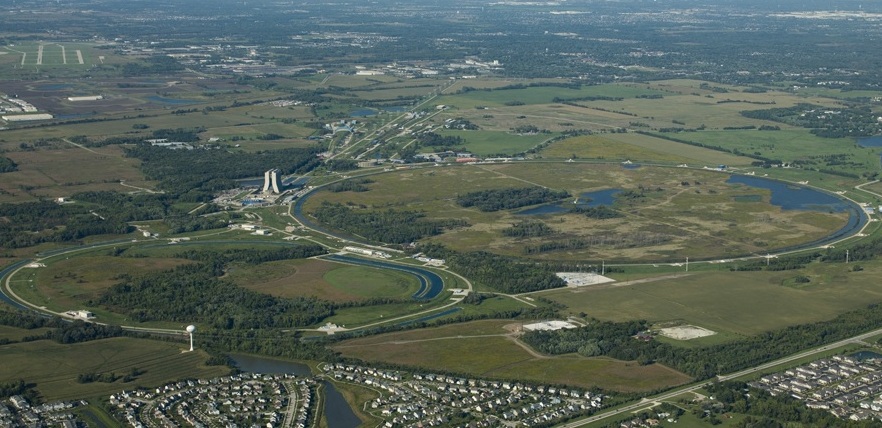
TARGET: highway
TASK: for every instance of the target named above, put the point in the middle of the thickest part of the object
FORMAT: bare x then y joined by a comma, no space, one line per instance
650,401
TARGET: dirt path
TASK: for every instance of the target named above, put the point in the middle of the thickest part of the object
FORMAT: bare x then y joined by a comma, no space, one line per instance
632,282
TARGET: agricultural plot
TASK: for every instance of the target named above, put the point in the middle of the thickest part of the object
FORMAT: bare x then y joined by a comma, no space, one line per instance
675,212
54,367
734,303
488,349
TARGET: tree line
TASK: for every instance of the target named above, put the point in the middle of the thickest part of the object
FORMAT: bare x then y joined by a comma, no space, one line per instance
506,274
615,340
390,226
504,199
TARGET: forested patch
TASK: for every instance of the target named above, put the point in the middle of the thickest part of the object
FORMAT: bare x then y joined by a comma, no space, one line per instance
506,274
614,340
528,229
254,256
194,294
431,139
7,165
195,175
59,330
31,223
504,199
390,226
824,121
353,185
601,212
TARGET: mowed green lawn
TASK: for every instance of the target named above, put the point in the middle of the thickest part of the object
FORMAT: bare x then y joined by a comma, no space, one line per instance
54,367
484,348
741,303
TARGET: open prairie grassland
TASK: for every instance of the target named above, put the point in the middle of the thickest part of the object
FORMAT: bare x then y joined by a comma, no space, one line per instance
683,212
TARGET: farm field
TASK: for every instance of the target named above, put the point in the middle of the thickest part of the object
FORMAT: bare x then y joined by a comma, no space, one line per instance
703,218
54,368
737,303
486,349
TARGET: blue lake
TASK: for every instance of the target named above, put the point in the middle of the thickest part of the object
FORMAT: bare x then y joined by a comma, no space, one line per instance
174,101
597,198
870,141
791,197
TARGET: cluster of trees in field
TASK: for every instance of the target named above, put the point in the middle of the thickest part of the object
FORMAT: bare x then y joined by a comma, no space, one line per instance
615,340
601,212
196,293
390,226
504,199
195,175
7,165
506,274
353,185
59,330
254,256
431,139
528,229
94,213
32,223
855,121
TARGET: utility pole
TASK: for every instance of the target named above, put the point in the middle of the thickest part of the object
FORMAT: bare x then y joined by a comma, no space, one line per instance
687,264
846,256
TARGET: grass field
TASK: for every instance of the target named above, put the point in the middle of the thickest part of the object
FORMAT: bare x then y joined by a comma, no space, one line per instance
324,280
60,172
482,348
704,219
54,367
485,143
735,303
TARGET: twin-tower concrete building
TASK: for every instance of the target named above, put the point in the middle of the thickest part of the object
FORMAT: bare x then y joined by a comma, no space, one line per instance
271,181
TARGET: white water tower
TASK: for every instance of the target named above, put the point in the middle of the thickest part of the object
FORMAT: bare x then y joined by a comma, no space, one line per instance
190,329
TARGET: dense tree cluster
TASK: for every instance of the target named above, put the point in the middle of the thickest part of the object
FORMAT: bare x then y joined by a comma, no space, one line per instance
194,293
32,223
7,165
390,226
431,139
194,175
504,199
353,185
709,361
506,274
254,256
859,121
528,229
601,212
